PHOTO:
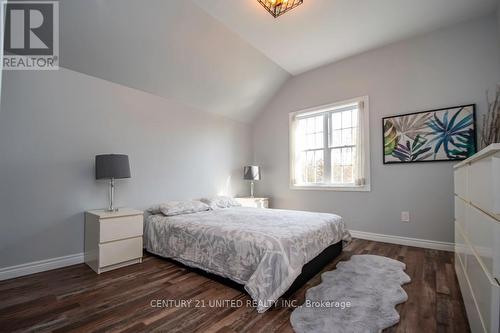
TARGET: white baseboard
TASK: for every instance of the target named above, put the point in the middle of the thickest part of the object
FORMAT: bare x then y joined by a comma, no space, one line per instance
40,266
73,259
425,243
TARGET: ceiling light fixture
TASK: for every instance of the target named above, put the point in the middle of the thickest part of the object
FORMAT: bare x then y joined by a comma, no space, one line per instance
279,7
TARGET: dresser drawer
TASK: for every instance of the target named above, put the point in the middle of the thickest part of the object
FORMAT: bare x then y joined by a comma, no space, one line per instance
111,229
484,184
473,315
483,232
120,251
486,294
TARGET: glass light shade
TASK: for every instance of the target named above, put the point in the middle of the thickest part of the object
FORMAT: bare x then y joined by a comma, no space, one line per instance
279,7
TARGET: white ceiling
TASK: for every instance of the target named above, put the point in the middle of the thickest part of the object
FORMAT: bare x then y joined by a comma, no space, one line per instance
323,31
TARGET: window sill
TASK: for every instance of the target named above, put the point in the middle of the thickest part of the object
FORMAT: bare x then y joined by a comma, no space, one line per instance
339,188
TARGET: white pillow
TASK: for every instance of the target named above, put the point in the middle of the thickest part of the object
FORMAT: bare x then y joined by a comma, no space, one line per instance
172,208
220,202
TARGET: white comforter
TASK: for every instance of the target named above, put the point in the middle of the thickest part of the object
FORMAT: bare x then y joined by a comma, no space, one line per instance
263,249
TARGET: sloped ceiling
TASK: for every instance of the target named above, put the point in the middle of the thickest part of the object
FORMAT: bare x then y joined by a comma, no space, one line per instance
323,31
170,48
230,57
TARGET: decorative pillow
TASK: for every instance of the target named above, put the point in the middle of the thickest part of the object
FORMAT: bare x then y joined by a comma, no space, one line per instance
172,208
220,202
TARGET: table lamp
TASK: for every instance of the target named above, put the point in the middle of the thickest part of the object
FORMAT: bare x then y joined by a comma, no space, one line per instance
112,166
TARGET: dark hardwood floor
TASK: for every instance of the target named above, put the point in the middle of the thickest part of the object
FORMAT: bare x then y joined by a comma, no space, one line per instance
78,300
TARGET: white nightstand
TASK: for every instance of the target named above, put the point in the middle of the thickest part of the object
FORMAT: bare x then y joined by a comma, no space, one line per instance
254,202
113,239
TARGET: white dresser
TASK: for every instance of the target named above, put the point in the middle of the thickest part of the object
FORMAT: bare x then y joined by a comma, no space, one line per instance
113,239
477,237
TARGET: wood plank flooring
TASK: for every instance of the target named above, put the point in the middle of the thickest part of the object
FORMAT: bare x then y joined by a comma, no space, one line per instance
75,299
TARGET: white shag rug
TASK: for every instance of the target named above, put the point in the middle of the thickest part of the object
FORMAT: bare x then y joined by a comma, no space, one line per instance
372,286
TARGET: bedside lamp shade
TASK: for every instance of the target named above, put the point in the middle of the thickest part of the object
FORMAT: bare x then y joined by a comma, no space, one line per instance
112,166
251,172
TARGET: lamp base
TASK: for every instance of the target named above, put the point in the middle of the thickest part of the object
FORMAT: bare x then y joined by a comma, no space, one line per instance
111,210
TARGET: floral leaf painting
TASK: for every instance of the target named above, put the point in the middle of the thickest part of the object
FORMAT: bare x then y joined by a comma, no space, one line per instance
438,135
446,132
390,137
419,150
412,125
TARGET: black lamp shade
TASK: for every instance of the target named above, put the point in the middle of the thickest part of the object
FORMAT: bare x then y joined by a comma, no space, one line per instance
112,166
251,172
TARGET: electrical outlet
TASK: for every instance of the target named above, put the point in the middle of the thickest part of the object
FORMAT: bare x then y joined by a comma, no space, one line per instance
405,217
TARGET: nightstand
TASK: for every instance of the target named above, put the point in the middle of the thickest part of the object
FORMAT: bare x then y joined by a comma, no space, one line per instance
113,239
254,202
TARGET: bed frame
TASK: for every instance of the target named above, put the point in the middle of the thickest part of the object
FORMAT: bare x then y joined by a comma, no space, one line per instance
309,270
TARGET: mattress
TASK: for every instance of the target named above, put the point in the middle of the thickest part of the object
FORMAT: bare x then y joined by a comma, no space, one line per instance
263,249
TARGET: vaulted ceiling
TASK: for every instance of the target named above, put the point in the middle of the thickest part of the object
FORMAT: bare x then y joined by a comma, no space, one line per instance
230,57
319,32
170,48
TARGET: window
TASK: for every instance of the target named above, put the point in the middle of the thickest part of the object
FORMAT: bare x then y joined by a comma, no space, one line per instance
329,147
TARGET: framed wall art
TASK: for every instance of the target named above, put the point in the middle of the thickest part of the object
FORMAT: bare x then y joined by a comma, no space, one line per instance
447,134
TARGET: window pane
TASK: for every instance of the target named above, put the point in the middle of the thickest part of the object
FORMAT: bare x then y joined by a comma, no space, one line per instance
347,174
346,156
302,126
314,141
319,140
336,120
342,165
314,124
319,124
313,134
355,118
310,167
347,162
309,141
319,166
313,166
303,167
337,174
336,138
310,125
336,156
346,119
347,137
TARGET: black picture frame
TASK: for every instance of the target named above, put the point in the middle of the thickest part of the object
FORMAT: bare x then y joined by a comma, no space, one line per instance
474,134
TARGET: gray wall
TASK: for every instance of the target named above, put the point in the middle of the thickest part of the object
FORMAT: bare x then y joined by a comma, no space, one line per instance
445,68
53,123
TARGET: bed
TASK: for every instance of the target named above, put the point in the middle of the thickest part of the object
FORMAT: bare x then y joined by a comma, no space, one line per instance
265,250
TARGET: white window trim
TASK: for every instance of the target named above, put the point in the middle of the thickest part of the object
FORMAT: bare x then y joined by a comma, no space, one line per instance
332,187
